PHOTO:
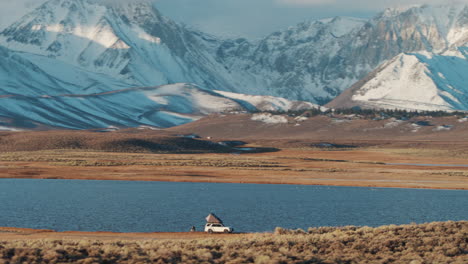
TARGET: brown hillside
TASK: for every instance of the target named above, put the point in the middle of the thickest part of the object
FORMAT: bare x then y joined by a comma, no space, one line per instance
122,141
342,129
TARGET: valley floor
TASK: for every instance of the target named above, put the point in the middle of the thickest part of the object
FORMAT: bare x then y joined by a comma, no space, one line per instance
361,166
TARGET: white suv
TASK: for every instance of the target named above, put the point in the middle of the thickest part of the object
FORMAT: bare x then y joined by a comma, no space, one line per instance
217,228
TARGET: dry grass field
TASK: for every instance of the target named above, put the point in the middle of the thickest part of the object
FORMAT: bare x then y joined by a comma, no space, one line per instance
428,243
308,166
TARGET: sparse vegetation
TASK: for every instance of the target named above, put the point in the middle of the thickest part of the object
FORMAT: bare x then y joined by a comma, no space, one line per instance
102,159
452,152
372,113
428,243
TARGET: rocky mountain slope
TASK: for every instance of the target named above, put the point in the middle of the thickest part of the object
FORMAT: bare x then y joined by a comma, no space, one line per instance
156,107
319,60
432,77
414,81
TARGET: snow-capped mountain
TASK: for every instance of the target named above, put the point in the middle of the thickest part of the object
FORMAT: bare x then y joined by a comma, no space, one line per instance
129,41
162,106
429,73
319,60
314,61
413,81
296,63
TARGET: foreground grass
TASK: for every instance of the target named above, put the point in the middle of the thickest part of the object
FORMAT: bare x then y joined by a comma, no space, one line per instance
428,243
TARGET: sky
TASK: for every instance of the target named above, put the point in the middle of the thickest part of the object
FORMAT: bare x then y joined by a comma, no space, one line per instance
249,18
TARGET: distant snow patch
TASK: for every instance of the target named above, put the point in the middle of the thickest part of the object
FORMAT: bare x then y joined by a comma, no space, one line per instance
463,120
340,121
2,128
191,136
110,129
145,36
148,128
393,123
443,128
301,118
270,119
415,127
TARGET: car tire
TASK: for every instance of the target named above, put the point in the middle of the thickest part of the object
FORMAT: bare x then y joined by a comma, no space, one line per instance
226,231
210,231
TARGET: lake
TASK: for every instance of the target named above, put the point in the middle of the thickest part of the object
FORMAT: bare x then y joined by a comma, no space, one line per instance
123,206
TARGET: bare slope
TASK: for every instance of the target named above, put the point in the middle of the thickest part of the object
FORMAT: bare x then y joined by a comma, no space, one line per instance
325,128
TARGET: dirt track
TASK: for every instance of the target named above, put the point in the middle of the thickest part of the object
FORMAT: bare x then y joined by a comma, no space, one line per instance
10,233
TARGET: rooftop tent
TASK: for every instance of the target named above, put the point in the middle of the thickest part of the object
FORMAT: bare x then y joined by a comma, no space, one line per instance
212,218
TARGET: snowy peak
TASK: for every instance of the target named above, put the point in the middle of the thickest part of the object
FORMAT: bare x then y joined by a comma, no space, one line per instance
129,41
336,27
62,29
340,26
439,26
429,63
414,81
49,26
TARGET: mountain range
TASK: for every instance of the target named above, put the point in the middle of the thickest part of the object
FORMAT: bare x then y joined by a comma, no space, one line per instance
82,63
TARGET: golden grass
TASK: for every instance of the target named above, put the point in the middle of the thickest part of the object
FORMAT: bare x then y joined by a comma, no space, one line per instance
427,243
460,153
108,159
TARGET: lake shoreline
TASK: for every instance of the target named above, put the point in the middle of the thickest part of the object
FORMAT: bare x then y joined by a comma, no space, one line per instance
358,184
17,233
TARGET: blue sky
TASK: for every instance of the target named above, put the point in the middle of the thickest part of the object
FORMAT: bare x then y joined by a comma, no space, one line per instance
252,18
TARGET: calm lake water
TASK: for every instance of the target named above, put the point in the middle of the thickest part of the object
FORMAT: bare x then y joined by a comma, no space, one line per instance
159,206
